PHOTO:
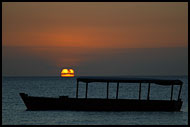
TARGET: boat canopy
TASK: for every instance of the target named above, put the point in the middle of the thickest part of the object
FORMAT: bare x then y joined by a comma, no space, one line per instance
88,79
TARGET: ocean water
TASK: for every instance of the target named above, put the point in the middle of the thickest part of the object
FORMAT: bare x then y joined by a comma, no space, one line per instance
14,111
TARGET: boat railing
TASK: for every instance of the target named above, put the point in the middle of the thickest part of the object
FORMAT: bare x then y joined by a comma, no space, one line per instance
88,80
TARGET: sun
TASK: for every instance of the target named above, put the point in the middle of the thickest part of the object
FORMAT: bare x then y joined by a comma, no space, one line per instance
67,73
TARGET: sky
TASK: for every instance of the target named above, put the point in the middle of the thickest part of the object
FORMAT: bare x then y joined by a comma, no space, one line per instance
96,39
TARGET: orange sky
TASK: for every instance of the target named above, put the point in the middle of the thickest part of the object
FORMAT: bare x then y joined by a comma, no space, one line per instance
51,30
130,25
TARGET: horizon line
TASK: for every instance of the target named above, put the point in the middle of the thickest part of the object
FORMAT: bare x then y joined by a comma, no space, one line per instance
96,75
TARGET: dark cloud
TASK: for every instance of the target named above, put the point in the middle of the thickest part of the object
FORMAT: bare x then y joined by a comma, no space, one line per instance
18,61
23,61
150,61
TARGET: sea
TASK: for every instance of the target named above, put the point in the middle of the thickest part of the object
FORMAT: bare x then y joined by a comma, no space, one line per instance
14,111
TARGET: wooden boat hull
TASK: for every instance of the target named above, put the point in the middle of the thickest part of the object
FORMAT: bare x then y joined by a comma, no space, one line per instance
93,104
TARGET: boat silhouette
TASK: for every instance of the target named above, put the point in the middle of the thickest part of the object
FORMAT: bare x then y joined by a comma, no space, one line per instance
106,104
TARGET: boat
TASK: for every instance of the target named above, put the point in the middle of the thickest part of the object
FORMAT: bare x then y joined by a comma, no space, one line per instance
34,103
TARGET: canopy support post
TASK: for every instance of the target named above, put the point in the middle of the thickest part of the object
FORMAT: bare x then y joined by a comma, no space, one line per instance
117,92
171,92
179,92
107,90
140,91
77,89
148,97
86,90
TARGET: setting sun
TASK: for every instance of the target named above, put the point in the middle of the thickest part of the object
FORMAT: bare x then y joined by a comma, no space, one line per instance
67,73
